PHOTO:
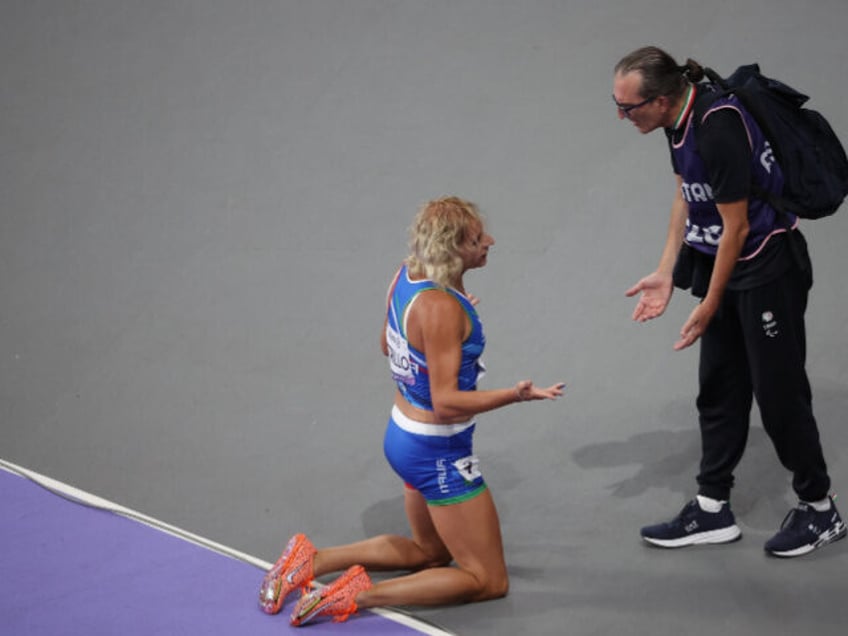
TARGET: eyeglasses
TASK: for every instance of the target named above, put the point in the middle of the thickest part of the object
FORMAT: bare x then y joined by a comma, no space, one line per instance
626,109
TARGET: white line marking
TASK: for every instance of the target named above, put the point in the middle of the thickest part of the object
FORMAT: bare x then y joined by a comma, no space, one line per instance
80,496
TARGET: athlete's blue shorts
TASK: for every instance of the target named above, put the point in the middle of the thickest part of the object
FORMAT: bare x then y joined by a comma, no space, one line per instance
435,459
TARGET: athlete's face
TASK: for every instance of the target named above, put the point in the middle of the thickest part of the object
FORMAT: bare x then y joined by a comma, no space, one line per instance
475,249
646,114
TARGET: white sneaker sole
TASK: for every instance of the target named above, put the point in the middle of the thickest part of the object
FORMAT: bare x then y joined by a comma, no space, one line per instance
722,535
834,534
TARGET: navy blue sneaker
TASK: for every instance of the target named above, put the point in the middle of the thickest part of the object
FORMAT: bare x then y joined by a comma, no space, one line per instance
694,526
804,529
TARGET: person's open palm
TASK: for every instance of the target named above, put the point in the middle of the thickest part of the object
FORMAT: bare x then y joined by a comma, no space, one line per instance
656,292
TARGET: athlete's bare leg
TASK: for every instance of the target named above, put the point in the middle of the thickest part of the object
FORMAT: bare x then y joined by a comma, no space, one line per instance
391,552
471,532
467,531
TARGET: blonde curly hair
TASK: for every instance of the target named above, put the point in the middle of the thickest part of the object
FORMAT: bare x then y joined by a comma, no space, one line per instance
439,229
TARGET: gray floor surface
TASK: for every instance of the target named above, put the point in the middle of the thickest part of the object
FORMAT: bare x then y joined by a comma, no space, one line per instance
201,205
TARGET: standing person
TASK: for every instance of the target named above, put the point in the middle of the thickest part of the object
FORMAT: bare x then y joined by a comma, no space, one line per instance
433,338
749,266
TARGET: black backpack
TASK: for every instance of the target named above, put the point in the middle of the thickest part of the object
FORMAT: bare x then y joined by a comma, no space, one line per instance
813,161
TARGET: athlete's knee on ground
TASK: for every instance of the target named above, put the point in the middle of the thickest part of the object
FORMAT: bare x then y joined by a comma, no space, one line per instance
492,587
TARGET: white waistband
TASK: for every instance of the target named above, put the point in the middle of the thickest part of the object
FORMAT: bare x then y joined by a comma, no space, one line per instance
426,428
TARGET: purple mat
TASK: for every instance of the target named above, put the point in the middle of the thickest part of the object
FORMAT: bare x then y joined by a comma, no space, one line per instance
69,569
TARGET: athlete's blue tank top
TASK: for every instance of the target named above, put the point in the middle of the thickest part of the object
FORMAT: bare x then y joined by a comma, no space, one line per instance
407,364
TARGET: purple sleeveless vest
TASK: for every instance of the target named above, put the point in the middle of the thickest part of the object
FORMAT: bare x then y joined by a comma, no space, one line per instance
704,225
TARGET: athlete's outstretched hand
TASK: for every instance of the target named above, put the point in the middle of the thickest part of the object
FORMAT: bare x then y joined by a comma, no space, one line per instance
527,391
656,291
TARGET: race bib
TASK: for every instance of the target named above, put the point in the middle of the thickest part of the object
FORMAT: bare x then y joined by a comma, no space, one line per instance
400,363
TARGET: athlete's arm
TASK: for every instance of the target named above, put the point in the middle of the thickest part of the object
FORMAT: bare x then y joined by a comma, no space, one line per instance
437,325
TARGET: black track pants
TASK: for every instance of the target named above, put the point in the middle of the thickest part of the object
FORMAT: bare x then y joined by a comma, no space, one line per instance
756,346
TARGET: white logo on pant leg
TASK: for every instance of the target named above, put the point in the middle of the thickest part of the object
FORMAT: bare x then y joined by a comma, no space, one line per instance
770,324
468,467
442,476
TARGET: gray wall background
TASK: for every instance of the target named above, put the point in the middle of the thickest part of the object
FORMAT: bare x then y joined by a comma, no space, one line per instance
201,205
